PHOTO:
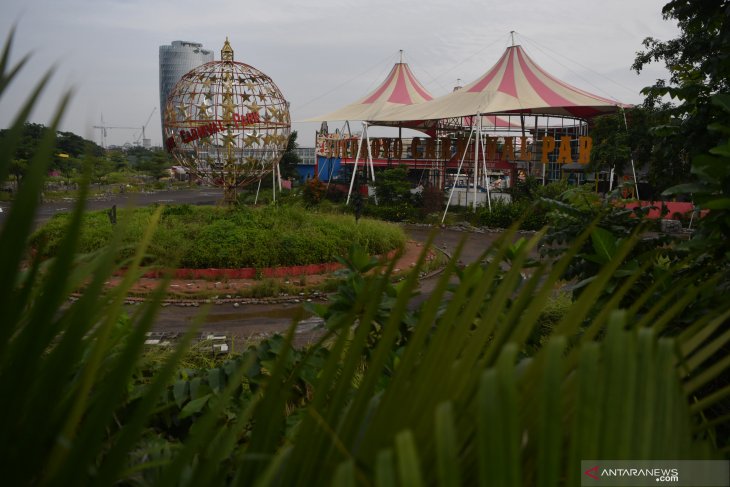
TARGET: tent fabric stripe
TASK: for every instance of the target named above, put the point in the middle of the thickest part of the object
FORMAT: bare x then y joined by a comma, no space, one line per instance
400,90
382,89
550,96
417,85
571,87
482,83
507,85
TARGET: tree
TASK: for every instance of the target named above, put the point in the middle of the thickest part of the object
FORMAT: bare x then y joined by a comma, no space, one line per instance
117,159
611,147
18,168
69,149
393,187
158,164
101,166
616,142
290,158
68,166
700,67
76,146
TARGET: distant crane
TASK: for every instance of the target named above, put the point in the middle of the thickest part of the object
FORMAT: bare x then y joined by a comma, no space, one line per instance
103,130
145,141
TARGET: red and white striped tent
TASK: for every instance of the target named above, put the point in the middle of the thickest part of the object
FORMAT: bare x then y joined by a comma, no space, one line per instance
400,88
515,84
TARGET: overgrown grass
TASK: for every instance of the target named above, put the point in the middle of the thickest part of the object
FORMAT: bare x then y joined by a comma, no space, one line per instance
212,237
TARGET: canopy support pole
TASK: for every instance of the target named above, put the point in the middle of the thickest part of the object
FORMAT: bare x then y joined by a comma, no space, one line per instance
458,172
370,154
534,149
486,173
354,171
610,179
476,159
278,171
273,183
256,200
370,157
369,161
633,168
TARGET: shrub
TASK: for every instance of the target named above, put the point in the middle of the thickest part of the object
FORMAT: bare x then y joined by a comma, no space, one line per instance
504,214
394,212
313,192
203,237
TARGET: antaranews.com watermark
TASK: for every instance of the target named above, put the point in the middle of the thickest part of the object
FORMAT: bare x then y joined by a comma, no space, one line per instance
639,473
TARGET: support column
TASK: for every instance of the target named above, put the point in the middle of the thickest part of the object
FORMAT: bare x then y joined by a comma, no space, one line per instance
458,172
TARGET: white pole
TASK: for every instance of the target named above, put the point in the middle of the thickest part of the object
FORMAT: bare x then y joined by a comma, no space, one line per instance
610,180
278,171
273,183
257,191
354,171
633,168
476,158
370,154
486,173
458,172
534,149
544,164
370,157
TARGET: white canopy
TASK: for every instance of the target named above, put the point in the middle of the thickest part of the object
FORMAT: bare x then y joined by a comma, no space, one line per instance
400,88
514,84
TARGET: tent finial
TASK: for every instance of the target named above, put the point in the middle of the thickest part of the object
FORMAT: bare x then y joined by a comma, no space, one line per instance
512,33
401,56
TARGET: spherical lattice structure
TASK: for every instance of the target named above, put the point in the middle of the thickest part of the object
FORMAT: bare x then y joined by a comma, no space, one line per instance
227,122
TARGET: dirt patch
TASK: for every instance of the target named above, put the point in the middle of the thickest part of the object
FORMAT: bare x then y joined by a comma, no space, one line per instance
243,290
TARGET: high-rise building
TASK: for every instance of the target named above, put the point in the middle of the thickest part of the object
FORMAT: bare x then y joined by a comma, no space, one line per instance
175,61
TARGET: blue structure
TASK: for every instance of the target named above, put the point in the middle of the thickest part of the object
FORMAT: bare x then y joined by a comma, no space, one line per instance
305,171
328,167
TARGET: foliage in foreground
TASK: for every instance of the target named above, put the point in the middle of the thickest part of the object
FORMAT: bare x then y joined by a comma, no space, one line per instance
203,237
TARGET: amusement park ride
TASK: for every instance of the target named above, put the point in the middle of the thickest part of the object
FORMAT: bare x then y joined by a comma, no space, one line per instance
513,121
227,123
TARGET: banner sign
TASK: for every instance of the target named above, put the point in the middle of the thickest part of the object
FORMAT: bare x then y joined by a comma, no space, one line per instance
565,150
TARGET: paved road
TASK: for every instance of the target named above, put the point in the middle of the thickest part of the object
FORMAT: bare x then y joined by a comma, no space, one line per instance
197,196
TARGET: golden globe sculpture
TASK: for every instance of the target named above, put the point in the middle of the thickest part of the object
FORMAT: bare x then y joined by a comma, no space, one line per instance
227,123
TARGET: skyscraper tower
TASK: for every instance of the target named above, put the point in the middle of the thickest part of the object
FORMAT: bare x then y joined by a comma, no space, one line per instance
175,61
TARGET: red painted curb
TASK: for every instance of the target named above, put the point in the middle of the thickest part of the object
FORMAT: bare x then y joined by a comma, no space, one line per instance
253,272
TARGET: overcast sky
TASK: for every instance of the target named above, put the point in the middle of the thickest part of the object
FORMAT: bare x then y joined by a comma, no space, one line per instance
323,54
